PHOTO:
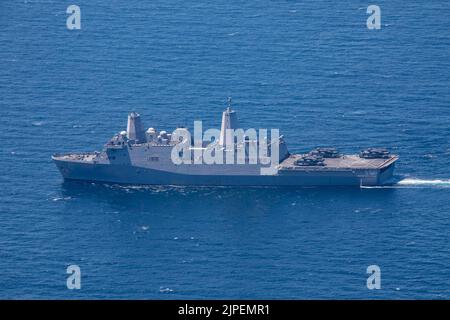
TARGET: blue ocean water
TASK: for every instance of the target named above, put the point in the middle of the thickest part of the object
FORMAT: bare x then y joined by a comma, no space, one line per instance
310,68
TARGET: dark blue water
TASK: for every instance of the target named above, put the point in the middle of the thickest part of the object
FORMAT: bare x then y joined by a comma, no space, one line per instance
310,68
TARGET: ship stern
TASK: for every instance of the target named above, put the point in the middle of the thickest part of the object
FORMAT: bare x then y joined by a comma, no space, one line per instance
386,172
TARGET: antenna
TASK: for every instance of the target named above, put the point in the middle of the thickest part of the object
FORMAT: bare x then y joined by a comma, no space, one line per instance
229,121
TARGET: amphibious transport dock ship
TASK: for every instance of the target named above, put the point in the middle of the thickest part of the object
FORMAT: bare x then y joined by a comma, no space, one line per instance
138,156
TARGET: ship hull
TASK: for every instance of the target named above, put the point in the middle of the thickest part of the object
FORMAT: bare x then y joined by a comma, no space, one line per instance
126,174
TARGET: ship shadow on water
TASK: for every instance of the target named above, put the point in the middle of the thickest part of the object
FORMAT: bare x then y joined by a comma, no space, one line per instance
221,215
241,200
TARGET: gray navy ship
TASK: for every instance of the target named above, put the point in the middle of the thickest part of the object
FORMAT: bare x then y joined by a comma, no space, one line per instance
139,156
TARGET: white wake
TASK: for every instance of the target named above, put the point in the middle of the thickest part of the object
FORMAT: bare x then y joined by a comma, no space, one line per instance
414,183
424,182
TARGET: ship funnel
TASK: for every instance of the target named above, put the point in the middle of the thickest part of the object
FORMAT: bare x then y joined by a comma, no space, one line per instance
229,121
134,128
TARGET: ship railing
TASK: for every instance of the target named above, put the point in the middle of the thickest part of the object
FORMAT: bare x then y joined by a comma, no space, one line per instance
389,161
75,155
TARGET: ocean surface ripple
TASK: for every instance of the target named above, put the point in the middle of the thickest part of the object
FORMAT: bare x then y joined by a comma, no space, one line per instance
310,68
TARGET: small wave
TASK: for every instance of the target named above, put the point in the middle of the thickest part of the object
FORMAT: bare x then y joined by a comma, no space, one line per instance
62,198
379,187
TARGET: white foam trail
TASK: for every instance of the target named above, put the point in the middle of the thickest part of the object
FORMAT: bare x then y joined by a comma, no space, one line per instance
414,183
424,182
